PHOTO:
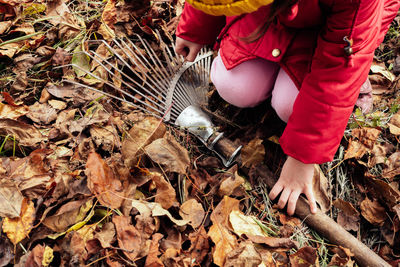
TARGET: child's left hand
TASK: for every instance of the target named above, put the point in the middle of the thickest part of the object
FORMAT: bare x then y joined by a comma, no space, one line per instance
296,178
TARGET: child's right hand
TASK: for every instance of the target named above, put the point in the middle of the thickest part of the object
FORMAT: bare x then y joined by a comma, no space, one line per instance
187,49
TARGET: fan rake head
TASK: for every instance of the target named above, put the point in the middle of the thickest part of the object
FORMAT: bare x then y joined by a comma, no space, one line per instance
159,82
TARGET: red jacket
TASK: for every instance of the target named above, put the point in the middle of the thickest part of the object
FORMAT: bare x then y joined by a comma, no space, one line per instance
309,37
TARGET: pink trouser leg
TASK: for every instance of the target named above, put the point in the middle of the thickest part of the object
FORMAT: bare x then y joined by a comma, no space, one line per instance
283,95
246,85
252,82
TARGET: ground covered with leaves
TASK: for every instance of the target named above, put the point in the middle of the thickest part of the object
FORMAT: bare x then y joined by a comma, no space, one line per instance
89,181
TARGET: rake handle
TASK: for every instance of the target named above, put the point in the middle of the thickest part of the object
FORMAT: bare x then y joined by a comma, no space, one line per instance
224,147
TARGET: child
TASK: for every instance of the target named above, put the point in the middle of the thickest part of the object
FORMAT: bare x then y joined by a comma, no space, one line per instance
311,56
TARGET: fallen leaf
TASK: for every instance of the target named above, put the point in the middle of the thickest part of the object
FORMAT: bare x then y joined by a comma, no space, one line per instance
154,209
383,191
45,51
61,57
245,225
42,113
394,124
381,69
165,194
35,257
342,257
366,140
103,183
4,26
25,134
192,211
17,229
379,154
373,212
304,257
224,242
169,153
243,255
10,199
80,61
321,189
221,213
231,185
105,137
57,104
200,245
393,166
274,242
12,112
109,15
69,214
106,235
6,249
348,216
141,134
128,236
152,259
253,153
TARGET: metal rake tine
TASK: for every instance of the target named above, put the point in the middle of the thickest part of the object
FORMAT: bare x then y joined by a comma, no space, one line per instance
126,76
155,83
158,80
115,97
113,86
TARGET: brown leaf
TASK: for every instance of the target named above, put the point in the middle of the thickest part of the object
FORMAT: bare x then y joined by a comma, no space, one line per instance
18,229
224,242
253,153
304,257
141,134
9,50
166,194
106,235
109,15
25,62
152,259
192,211
12,112
169,153
69,214
200,245
42,113
105,137
45,51
321,189
4,26
232,185
35,257
348,216
61,57
21,81
383,191
128,236
10,199
393,166
366,140
394,124
379,154
342,257
103,183
274,242
244,255
221,213
25,134
373,212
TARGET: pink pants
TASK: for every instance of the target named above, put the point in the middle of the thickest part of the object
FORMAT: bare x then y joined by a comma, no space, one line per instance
253,81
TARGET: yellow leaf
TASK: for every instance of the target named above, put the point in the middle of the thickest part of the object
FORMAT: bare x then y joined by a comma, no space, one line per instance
243,224
19,228
224,242
47,256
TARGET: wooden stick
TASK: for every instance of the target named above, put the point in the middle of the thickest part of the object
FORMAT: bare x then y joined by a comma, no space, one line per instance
327,227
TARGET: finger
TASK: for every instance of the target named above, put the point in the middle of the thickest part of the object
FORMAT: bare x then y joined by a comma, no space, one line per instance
275,191
311,200
180,50
284,198
294,196
192,55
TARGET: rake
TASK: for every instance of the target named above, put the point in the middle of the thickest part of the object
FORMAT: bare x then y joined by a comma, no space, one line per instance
160,83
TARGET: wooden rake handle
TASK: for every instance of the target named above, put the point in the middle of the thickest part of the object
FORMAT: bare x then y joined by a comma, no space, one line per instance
224,148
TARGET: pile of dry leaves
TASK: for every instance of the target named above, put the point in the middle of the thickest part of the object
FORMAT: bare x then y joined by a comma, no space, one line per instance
88,181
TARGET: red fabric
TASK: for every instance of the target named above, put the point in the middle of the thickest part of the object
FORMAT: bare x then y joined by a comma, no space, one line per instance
310,38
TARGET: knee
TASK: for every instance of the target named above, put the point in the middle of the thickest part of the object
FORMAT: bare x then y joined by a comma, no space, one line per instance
282,109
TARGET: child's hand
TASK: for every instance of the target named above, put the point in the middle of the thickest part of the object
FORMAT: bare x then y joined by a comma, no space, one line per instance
296,178
187,49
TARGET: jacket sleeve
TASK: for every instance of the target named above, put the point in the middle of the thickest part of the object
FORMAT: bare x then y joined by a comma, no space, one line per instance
198,27
330,90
